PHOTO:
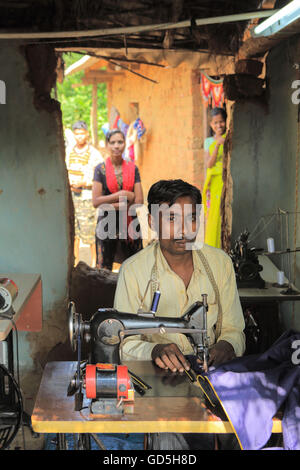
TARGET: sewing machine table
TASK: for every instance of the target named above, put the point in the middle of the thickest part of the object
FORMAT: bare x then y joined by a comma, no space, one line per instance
174,404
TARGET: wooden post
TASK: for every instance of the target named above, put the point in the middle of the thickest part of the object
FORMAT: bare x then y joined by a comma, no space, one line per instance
94,116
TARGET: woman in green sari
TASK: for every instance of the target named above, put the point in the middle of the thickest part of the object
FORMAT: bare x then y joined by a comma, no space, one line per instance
213,185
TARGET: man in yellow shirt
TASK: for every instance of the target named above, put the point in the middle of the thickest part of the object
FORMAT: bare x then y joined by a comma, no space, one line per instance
182,270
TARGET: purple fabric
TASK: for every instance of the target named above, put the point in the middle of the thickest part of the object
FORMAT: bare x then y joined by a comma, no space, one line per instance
254,388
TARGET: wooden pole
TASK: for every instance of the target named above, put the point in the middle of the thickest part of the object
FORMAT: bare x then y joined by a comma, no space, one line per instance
138,29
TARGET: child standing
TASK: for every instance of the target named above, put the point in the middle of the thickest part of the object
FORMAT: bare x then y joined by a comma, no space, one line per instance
212,190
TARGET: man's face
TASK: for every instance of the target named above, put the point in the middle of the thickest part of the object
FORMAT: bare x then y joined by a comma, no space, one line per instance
81,136
177,226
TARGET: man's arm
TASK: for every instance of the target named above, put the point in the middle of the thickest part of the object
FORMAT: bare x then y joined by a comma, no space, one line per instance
94,160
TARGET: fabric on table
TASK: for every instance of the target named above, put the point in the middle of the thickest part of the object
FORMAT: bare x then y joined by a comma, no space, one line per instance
253,389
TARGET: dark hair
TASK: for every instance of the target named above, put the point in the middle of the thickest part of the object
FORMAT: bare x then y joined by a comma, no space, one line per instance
113,132
216,111
168,191
80,125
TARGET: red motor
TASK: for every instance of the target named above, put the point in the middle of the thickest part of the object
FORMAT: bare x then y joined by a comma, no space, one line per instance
108,381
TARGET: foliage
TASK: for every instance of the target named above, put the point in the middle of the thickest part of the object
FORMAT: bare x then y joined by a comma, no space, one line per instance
76,102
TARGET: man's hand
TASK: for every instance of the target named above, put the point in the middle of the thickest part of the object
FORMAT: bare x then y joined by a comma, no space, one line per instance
221,352
169,356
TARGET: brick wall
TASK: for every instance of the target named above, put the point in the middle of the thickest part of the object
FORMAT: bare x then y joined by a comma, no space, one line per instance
172,114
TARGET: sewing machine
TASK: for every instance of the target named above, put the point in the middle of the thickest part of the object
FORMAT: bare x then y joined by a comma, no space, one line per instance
246,264
108,384
11,407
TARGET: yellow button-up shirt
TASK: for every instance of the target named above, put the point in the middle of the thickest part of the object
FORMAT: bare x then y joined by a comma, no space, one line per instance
175,299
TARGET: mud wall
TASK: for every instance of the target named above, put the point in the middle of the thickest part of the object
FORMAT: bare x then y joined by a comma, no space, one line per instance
264,158
34,196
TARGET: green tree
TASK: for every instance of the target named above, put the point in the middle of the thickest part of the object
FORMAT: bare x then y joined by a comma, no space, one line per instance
76,102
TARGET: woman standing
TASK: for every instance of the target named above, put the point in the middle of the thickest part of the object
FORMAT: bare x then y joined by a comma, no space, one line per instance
212,190
116,187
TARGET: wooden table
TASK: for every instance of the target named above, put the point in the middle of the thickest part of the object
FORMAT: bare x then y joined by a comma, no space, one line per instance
265,307
269,292
174,404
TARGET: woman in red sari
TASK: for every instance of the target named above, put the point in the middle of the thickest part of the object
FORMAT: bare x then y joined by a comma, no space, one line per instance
116,188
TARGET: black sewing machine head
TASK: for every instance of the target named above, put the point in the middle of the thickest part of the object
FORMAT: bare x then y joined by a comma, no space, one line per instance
246,264
108,327
105,332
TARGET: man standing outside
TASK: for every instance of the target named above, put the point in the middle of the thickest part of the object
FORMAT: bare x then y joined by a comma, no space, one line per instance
81,161
182,271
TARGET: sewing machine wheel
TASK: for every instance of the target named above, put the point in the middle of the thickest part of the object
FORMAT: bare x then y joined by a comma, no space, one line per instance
11,407
74,325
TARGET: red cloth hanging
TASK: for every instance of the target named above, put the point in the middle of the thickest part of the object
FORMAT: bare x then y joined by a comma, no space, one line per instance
212,91
115,124
217,95
206,87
